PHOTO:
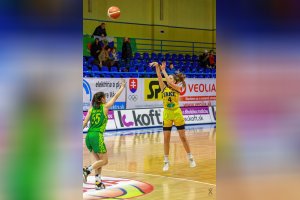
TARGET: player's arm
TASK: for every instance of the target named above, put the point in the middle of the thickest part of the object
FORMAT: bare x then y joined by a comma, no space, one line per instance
174,86
87,118
114,99
160,80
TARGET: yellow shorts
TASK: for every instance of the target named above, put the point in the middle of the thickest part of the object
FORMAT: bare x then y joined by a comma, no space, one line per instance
173,116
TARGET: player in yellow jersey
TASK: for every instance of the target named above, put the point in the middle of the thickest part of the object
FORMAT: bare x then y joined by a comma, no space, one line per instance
97,115
172,112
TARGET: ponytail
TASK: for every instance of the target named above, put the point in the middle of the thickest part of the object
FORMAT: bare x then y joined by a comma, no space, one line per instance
179,77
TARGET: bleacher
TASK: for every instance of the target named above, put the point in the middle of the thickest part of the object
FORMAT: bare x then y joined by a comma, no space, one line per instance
139,66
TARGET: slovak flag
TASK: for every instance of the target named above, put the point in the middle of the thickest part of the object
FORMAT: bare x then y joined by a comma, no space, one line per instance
133,84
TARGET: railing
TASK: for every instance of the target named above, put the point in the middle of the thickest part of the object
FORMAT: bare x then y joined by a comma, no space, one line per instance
172,46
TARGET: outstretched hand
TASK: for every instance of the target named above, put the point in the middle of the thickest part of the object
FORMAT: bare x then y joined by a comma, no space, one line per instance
153,64
163,66
123,83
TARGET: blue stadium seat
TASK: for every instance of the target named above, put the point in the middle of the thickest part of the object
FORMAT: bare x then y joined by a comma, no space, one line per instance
187,57
180,57
153,56
167,57
174,56
195,58
91,60
114,69
104,69
146,56
137,55
85,68
95,68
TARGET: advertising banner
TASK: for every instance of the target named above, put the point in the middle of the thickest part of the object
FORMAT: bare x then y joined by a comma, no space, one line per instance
147,93
138,118
110,123
107,85
196,115
213,113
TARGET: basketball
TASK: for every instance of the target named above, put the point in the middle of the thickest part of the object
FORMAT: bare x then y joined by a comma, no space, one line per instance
113,12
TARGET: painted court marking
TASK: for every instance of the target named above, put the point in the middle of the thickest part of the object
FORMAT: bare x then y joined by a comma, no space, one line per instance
182,179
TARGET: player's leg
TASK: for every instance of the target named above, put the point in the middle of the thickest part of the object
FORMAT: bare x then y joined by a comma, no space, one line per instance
98,179
167,126
180,125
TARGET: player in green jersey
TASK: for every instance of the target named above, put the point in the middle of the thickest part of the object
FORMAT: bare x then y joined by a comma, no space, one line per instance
97,115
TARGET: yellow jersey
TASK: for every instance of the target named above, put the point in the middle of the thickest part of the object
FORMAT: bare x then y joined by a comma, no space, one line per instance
170,98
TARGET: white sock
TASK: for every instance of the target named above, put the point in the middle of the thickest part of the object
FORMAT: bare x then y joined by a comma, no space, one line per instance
98,177
166,158
190,156
90,168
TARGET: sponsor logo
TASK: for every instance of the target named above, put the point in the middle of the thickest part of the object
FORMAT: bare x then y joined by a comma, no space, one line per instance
197,118
140,120
133,84
203,87
152,90
133,98
87,89
116,188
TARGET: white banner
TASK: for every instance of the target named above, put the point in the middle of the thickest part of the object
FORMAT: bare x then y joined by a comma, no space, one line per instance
146,93
196,115
138,118
107,85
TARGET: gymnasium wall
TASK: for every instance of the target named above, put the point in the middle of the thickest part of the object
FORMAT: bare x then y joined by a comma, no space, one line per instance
195,19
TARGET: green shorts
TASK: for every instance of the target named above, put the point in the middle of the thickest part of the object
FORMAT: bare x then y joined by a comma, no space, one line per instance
95,142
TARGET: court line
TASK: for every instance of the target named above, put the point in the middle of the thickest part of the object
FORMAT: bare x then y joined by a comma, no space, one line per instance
182,179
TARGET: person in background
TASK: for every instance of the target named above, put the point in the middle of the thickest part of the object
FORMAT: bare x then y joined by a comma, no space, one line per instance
104,56
96,49
126,50
211,59
113,57
204,59
171,69
100,31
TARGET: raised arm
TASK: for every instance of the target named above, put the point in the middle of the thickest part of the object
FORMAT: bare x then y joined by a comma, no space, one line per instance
160,80
87,118
114,99
174,86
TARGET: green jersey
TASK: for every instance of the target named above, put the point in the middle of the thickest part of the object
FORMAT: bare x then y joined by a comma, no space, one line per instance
98,120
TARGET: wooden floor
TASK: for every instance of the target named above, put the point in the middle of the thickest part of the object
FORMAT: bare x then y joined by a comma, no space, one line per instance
138,155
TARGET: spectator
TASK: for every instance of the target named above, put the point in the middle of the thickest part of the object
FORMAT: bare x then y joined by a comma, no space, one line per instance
104,57
171,69
100,31
96,49
204,59
114,57
126,50
211,58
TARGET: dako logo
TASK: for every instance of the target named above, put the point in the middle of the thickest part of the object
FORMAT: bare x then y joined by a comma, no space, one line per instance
140,120
154,89
133,84
133,98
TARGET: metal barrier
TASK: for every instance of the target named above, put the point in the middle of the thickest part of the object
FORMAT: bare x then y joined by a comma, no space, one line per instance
172,46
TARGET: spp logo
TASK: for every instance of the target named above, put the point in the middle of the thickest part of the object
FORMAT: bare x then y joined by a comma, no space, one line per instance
133,85
87,89
152,90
